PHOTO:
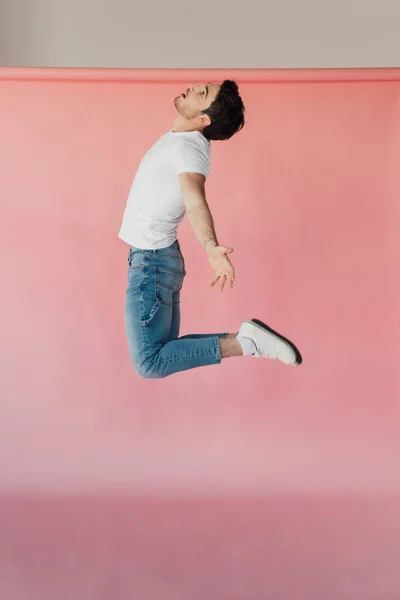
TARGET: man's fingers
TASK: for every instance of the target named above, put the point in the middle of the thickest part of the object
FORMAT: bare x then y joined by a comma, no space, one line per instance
223,279
231,273
230,268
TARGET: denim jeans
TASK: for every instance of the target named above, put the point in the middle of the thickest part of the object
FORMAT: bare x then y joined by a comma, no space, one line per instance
152,316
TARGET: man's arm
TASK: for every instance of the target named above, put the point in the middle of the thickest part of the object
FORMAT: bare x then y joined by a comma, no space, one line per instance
197,210
201,221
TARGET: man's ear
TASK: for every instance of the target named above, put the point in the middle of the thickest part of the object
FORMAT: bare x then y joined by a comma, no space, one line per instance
205,120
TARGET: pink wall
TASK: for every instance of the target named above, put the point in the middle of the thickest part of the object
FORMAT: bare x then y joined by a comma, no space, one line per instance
307,195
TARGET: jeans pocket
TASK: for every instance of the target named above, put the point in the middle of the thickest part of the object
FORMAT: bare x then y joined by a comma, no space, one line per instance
148,311
135,260
168,285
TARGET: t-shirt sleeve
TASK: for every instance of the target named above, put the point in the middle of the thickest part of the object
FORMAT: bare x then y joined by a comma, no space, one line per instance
190,158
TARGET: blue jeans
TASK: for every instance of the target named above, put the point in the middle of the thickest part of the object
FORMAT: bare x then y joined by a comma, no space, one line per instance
152,316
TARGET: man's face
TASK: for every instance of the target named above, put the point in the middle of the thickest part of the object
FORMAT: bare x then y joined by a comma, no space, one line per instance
196,98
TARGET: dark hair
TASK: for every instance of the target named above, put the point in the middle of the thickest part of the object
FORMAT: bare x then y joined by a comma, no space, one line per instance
226,113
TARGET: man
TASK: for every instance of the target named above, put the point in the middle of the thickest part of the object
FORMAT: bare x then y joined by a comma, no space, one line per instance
170,182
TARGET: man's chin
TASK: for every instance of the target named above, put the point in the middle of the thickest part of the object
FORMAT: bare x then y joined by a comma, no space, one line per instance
177,105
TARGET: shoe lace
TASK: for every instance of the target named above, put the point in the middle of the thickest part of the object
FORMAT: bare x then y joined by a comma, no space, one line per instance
272,355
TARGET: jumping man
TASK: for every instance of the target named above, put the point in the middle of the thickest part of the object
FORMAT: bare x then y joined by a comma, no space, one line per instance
170,182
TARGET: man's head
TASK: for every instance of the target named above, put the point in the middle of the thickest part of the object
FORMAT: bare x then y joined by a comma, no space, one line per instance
215,110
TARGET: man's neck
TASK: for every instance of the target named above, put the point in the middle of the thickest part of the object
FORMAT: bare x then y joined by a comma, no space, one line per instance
182,126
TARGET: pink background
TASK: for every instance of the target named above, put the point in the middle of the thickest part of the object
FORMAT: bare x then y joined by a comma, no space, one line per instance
307,195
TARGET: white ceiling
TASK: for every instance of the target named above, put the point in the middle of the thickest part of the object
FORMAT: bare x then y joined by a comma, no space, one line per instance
215,34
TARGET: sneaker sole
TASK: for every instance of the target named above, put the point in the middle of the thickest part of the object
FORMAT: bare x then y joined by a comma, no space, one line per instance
261,325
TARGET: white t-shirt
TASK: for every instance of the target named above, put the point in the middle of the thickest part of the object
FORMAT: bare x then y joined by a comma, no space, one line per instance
155,207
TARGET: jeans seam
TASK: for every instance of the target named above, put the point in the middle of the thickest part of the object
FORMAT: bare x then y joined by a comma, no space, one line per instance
217,349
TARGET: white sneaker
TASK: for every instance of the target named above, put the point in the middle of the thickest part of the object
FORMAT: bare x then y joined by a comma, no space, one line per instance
270,344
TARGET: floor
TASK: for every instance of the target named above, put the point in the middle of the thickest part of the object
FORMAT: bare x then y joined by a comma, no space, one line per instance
270,548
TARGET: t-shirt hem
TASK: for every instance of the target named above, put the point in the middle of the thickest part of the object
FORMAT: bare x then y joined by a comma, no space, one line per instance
155,246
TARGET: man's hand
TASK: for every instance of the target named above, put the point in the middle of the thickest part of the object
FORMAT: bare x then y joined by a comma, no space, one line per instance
201,221
222,266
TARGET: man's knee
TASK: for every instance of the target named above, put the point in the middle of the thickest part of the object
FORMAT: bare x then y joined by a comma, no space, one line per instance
149,369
